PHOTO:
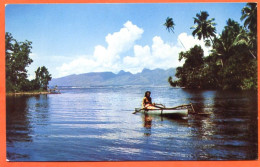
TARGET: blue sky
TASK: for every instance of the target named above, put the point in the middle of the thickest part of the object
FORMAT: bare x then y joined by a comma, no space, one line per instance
79,38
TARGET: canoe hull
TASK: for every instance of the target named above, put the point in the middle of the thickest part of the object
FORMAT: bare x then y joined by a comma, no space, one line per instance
164,112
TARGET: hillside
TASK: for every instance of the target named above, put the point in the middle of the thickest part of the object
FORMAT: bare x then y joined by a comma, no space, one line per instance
157,77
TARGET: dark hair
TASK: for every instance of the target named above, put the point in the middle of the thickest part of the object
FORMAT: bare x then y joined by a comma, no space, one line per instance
145,95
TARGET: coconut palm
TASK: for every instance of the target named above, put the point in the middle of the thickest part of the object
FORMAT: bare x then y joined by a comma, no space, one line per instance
249,13
204,28
169,24
230,41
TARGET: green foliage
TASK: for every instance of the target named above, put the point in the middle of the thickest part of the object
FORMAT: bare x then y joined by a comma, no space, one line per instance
230,41
190,74
203,27
249,14
169,24
173,84
232,63
17,59
42,77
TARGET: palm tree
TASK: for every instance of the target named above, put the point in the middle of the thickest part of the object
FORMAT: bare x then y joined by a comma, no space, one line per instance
249,13
204,28
169,24
231,39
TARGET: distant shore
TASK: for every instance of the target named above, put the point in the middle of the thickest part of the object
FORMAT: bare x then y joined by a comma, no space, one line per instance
26,93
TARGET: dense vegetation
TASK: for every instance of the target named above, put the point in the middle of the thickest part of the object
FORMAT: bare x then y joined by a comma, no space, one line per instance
17,59
232,63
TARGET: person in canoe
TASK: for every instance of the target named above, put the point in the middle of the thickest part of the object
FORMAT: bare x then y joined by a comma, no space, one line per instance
147,101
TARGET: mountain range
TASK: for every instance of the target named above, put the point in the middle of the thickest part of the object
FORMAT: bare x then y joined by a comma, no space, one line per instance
156,77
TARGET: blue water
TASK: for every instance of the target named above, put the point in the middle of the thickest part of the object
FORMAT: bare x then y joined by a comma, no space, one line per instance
97,124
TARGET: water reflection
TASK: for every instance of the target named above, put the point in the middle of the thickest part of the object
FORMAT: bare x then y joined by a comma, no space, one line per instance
17,124
24,117
156,121
41,109
203,101
98,124
232,119
236,113
17,118
147,123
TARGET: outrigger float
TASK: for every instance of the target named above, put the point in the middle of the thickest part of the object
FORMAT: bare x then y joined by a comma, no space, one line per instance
180,111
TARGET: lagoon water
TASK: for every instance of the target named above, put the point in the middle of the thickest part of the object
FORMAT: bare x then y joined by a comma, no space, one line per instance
97,124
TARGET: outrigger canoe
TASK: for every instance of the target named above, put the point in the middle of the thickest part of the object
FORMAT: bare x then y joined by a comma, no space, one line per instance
164,111
160,109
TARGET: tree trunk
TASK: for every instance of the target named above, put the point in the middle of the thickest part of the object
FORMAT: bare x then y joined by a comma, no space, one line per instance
252,54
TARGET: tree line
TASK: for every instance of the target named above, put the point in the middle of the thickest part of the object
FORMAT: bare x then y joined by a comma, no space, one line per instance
232,63
17,59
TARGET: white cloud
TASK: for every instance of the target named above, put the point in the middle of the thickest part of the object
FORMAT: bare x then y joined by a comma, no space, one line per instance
159,55
33,55
112,58
77,66
189,42
124,39
105,58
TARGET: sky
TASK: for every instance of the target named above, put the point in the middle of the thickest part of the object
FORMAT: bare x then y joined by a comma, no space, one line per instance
80,38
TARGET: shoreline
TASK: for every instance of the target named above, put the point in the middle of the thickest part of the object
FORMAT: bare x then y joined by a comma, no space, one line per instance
27,93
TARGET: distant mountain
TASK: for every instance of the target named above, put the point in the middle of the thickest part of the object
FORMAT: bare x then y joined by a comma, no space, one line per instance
157,77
